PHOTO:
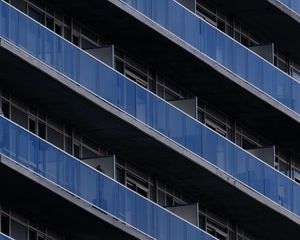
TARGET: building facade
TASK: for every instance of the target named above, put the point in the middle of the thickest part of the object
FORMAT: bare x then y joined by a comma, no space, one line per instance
145,119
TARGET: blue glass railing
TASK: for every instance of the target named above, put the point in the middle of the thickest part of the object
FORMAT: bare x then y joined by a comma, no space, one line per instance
292,4
221,48
94,187
146,107
4,237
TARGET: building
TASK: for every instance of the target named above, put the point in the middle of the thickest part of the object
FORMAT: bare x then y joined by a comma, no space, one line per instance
145,119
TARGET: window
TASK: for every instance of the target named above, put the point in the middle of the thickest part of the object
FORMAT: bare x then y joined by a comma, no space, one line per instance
216,125
55,137
295,70
214,16
136,76
5,109
120,175
283,162
296,75
76,150
32,125
248,144
88,153
281,60
120,66
18,230
58,29
137,185
284,167
75,40
42,130
36,15
216,230
32,235
5,224
50,23
297,172
19,4
169,96
19,117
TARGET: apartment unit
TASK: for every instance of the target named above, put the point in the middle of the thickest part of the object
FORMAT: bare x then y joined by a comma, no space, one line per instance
145,119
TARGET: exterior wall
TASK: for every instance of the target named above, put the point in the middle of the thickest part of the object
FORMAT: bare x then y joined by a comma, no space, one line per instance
160,84
70,140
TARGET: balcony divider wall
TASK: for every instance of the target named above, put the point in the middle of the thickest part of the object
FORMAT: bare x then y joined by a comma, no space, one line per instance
146,107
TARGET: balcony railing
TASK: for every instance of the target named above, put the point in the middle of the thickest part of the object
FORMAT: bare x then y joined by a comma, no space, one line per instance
222,49
146,107
4,237
292,4
92,186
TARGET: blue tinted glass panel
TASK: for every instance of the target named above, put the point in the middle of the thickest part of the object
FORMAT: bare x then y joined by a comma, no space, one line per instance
176,123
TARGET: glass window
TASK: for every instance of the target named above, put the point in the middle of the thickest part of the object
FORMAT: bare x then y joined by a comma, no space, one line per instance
216,230
161,198
32,234
36,15
5,224
32,125
19,117
19,4
76,148
296,75
75,40
120,175
87,153
297,172
18,231
55,137
50,23
169,96
42,130
120,66
58,29
5,109
284,167
137,185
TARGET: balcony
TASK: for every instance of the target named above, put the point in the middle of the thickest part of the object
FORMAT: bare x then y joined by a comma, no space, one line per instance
4,237
292,4
141,105
187,66
92,186
222,49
